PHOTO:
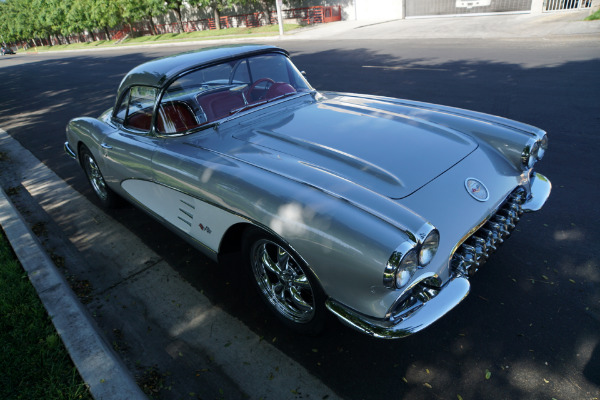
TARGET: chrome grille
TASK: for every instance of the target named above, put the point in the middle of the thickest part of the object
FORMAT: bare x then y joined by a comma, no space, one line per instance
476,249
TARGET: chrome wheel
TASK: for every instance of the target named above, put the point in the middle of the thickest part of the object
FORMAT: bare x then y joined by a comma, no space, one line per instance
95,176
282,281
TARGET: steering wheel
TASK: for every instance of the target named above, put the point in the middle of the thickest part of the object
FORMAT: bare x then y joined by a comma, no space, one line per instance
256,83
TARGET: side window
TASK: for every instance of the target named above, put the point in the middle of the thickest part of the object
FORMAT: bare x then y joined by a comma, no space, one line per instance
139,107
272,66
241,73
179,109
122,108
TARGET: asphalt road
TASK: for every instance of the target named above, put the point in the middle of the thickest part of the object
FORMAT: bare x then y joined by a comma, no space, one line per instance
532,319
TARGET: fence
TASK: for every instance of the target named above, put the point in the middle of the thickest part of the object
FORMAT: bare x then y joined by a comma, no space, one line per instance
420,8
559,5
306,15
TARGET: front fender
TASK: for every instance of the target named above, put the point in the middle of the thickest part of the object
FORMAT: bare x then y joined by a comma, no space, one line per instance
90,132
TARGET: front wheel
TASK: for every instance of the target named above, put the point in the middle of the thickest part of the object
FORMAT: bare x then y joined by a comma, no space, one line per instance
107,197
284,283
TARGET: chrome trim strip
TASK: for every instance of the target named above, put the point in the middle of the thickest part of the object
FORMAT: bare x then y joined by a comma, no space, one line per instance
187,204
452,293
187,213
540,191
185,221
70,151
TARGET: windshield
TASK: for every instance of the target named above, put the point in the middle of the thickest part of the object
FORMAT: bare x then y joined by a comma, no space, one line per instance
212,93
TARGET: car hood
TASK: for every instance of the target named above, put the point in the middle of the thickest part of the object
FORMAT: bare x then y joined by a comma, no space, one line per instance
372,144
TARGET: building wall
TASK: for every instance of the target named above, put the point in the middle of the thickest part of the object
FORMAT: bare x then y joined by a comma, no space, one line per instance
374,9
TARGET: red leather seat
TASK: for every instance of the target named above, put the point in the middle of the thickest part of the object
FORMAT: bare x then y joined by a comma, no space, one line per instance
279,89
220,104
139,120
175,117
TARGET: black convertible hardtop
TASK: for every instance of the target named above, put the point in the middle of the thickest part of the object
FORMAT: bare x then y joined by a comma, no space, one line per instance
157,73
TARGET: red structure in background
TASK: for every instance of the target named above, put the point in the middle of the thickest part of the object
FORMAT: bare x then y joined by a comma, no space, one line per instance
306,15
312,15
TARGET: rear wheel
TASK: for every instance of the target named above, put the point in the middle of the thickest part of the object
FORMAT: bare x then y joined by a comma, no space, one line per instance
284,283
107,197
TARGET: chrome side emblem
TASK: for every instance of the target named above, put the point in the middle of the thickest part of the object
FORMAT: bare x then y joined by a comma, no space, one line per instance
477,189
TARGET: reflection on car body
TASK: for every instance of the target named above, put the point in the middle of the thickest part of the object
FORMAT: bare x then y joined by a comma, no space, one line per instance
376,209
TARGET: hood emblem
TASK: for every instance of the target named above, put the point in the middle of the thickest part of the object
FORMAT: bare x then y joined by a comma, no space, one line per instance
477,189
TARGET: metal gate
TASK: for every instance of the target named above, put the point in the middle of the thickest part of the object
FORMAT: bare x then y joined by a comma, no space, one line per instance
561,5
422,8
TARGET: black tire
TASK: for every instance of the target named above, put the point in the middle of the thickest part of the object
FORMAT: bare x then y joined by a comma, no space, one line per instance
106,195
284,283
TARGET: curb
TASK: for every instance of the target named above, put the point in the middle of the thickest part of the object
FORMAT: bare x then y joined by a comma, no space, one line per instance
97,363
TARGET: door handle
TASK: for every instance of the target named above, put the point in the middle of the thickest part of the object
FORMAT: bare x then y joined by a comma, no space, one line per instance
106,146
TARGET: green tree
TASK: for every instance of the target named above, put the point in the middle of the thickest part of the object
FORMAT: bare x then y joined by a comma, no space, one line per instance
153,8
217,7
176,6
105,14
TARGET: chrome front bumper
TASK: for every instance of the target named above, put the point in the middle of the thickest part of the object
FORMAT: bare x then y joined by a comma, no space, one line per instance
452,292
70,151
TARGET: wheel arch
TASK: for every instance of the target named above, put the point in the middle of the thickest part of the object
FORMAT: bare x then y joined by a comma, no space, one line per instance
233,242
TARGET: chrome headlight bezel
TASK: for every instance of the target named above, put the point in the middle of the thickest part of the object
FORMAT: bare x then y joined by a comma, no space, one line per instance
410,257
407,268
534,151
394,263
428,248
528,158
543,147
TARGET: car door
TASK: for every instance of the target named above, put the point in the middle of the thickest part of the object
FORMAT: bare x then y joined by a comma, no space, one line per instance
128,151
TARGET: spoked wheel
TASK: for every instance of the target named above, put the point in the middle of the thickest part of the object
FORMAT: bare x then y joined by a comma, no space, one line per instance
284,283
105,194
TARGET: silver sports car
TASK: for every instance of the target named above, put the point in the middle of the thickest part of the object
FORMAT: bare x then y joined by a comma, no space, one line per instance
375,209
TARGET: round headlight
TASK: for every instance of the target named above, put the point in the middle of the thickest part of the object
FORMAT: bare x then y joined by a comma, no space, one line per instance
407,268
429,248
543,147
533,157
529,154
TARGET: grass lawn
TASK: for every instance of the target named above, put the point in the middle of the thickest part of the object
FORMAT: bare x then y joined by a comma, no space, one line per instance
594,16
230,33
33,360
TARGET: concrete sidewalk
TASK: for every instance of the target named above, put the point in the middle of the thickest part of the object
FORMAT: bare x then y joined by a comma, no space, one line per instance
168,322
505,26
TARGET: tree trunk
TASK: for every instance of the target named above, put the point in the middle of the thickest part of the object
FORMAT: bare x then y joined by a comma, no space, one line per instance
107,32
217,17
152,26
178,13
267,7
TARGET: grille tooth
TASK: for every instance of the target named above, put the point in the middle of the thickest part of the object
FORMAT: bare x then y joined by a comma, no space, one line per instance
490,238
510,218
496,229
515,208
475,254
504,225
519,195
480,246
476,249
459,264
